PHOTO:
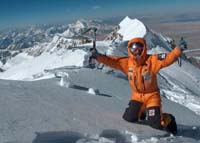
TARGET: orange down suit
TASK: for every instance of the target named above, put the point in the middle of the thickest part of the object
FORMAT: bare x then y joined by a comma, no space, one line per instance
142,72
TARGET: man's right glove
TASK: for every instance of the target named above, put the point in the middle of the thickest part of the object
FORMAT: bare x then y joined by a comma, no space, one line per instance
94,53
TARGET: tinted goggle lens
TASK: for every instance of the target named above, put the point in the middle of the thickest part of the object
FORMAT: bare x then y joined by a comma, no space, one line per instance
136,46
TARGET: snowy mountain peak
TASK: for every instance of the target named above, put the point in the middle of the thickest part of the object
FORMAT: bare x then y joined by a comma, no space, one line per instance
131,28
81,24
68,33
78,26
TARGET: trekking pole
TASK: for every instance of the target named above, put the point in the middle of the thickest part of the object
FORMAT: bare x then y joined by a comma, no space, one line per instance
192,50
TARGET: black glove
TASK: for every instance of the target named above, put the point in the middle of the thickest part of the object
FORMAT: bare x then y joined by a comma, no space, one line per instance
172,44
94,53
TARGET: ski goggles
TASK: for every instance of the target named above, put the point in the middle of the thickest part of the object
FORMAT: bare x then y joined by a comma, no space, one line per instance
136,46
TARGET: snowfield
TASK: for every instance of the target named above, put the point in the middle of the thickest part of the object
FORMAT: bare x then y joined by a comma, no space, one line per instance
44,111
53,98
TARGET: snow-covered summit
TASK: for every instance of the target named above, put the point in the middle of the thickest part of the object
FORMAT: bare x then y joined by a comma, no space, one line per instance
75,28
131,28
82,24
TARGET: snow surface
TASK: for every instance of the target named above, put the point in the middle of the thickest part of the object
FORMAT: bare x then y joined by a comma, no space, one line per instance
198,58
49,110
43,111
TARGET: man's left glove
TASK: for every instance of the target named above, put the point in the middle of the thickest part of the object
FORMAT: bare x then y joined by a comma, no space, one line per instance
94,53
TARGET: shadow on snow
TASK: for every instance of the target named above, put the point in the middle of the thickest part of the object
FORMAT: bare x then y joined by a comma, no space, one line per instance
73,137
189,131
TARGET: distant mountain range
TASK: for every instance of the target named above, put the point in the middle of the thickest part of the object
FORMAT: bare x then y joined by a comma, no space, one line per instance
37,39
21,38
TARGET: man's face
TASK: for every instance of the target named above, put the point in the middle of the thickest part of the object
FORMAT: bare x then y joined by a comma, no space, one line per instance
137,49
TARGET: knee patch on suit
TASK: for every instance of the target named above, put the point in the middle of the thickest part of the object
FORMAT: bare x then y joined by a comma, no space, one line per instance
132,111
154,118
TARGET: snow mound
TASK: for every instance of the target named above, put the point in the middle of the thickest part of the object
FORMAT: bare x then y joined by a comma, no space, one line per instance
93,91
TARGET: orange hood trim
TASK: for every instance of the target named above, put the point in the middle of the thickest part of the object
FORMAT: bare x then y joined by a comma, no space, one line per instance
143,58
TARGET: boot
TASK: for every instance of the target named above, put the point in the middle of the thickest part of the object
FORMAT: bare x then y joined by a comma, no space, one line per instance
172,127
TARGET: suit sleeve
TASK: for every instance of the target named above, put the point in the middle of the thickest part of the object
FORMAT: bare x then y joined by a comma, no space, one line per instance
163,60
118,63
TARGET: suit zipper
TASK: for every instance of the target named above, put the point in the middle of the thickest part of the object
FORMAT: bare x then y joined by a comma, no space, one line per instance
143,83
142,79
135,82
